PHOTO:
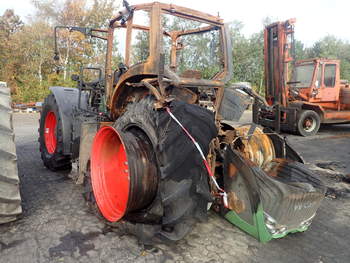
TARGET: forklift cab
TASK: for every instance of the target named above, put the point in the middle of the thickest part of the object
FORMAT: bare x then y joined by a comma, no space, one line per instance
316,80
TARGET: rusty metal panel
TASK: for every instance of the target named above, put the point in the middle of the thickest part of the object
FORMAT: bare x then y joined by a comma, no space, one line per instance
234,103
88,131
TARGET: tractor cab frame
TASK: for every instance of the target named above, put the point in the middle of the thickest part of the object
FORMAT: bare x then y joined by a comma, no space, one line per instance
158,70
154,68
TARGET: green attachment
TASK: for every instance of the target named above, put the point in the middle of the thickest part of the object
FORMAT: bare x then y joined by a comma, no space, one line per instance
258,229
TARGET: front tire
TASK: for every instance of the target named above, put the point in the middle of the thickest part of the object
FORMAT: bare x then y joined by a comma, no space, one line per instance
308,123
51,138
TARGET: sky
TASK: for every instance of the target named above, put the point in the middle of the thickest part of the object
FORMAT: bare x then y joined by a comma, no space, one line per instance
315,18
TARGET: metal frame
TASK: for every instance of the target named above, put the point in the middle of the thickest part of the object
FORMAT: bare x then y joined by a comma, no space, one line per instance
152,75
153,67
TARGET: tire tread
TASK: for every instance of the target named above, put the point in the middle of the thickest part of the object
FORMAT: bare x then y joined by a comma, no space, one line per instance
10,198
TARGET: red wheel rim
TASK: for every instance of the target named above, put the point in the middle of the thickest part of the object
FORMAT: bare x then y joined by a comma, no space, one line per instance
50,132
110,174
309,124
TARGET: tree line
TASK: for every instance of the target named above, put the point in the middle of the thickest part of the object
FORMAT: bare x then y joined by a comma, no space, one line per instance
26,49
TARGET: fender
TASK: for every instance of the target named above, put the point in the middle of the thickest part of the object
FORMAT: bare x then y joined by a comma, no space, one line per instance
257,197
304,105
67,100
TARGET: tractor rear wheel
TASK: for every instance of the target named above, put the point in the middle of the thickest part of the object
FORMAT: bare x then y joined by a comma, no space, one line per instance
10,199
50,137
145,170
308,123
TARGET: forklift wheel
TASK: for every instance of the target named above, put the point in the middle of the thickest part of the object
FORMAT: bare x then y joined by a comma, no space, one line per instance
308,123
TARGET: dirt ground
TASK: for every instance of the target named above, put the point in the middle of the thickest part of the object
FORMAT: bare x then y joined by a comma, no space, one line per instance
57,227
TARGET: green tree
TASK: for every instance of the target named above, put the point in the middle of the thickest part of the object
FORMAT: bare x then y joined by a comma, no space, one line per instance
26,50
74,49
10,24
300,51
248,57
333,48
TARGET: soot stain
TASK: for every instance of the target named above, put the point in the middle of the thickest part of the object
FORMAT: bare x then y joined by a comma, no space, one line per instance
72,241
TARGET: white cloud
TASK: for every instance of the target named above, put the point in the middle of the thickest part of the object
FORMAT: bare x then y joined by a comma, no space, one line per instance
315,18
22,8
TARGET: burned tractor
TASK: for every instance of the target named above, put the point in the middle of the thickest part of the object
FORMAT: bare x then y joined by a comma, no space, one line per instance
153,139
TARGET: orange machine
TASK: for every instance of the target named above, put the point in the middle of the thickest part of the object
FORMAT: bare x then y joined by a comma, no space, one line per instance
301,97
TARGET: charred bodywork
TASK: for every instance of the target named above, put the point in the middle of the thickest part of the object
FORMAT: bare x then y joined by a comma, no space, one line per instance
153,129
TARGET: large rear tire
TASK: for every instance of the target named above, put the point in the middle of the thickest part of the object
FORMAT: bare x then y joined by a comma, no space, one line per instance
183,192
50,137
10,199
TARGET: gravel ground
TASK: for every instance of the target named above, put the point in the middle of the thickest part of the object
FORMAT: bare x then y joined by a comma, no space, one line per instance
57,226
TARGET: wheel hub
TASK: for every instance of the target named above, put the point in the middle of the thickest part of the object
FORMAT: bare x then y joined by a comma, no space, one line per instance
123,172
309,124
50,132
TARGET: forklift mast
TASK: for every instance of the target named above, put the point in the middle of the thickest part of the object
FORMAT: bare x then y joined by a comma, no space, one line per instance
279,51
